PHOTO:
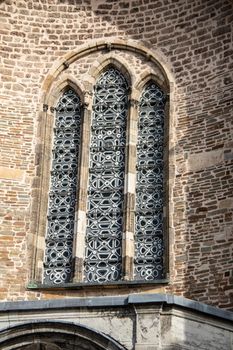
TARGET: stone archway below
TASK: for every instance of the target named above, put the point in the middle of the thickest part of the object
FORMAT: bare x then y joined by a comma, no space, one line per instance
55,336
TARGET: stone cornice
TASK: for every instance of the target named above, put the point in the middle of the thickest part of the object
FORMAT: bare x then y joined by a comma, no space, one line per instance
117,301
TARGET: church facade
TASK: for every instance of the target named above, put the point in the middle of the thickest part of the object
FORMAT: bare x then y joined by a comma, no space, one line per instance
116,175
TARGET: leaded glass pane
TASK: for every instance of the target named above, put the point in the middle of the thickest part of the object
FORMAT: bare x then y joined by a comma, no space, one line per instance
149,245
103,261
62,194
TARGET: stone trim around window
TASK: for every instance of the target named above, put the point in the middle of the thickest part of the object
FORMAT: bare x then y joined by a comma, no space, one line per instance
56,86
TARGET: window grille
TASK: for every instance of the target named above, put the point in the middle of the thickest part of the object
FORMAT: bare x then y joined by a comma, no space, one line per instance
105,192
62,194
103,261
149,185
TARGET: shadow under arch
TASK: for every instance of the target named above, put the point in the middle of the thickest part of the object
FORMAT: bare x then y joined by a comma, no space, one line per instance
55,335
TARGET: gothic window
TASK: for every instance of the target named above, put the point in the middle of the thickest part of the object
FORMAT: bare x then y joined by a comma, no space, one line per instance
149,185
103,261
96,245
62,194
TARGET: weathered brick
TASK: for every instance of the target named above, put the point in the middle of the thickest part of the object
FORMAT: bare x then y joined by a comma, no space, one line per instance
196,45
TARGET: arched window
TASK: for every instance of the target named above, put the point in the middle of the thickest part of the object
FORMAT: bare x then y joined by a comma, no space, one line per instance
105,200
103,261
149,242
106,188
63,188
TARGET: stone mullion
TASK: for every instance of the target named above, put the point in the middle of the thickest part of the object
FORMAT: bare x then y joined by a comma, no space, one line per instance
167,184
80,222
129,198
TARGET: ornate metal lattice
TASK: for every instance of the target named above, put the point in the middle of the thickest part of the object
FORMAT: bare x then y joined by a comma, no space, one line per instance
62,195
149,245
103,261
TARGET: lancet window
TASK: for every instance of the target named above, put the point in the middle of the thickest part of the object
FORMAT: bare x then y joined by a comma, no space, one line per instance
63,186
106,206
149,241
103,261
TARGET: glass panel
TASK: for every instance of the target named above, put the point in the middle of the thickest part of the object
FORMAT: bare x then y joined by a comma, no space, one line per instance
62,194
149,246
106,179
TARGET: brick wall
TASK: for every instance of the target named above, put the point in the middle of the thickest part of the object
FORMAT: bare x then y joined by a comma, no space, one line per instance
195,40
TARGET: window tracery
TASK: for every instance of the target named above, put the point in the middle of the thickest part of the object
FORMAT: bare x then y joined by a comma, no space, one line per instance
149,243
106,179
103,262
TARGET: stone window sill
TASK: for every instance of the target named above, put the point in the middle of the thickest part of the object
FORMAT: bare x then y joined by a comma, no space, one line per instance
83,285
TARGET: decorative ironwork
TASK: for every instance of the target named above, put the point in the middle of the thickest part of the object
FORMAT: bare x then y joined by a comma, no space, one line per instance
149,245
62,195
103,261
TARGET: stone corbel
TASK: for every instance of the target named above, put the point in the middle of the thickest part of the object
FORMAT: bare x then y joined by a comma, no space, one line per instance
87,99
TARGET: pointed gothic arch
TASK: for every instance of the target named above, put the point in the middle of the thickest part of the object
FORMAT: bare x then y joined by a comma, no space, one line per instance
56,82
108,60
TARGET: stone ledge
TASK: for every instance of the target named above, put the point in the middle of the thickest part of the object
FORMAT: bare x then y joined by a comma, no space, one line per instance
83,285
125,300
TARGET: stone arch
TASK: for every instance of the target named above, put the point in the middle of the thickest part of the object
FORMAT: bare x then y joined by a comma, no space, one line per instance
155,57
157,68
110,60
58,88
148,76
55,335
